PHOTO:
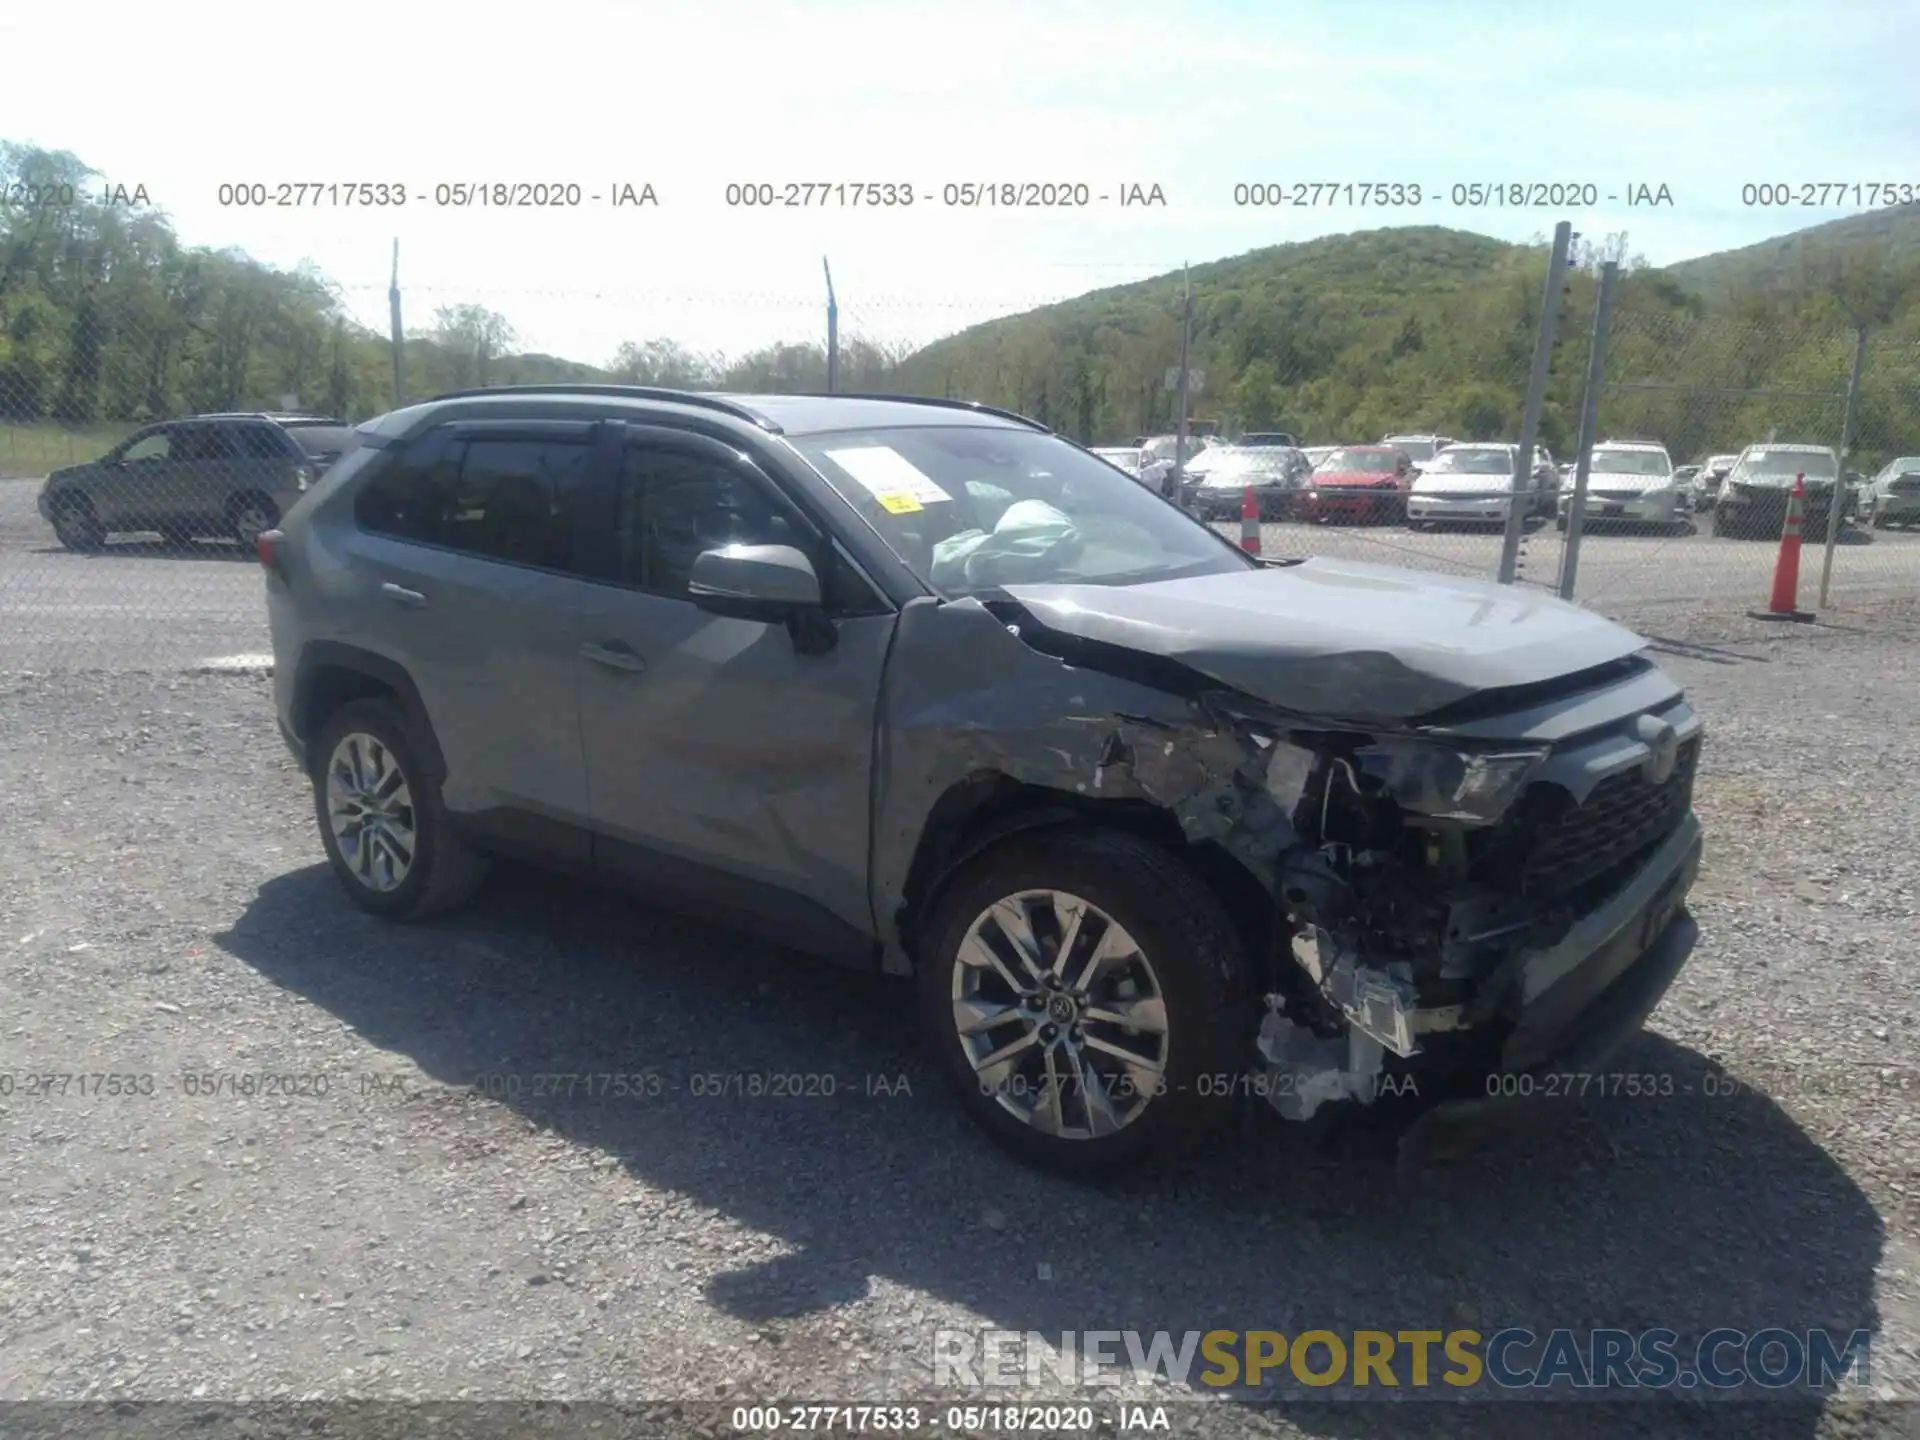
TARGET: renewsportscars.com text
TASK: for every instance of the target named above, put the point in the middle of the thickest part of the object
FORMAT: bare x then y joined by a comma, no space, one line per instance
1510,1359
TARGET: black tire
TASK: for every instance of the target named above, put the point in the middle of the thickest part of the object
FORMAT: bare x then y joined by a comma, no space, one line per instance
76,525
446,871
1721,525
1196,955
257,505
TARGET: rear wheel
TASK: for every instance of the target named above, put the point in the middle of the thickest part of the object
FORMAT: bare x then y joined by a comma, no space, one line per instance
385,830
250,515
75,525
1089,1000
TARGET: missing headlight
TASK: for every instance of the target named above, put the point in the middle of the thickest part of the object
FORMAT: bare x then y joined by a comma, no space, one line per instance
1443,782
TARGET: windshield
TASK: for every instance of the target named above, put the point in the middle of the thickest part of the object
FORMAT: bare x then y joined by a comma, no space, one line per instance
1459,460
1629,462
1776,463
1243,465
971,508
323,442
1416,449
1371,462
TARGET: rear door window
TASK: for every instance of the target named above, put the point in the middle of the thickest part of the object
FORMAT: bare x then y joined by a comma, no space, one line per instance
512,499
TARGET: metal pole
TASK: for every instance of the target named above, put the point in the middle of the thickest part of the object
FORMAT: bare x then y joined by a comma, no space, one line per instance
399,344
1840,480
1536,398
1589,421
1186,344
833,332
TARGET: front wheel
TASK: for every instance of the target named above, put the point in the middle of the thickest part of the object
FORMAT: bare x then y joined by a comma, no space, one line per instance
75,524
1089,999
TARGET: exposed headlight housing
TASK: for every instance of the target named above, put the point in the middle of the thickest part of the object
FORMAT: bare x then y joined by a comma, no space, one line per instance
1444,782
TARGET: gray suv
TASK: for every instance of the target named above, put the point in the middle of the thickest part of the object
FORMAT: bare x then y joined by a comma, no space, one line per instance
226,475
921,687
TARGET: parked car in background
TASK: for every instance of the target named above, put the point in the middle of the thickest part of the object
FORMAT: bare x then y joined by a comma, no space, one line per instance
1686,479
1218,490
1892,496
1706,485
1752,504
227,475
1631,482
1470,482
1365,483
1268,440
1419,448
1316,453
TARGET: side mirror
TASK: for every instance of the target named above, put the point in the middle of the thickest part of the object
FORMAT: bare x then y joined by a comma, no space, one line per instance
754,582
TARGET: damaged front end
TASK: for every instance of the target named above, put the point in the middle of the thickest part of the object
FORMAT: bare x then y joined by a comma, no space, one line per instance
1432,884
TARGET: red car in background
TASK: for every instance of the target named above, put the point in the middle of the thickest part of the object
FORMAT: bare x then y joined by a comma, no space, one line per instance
1367,483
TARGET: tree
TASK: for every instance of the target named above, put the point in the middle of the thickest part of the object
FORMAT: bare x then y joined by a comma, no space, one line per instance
472,338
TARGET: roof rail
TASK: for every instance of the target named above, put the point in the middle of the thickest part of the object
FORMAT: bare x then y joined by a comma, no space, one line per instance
701,399
942,401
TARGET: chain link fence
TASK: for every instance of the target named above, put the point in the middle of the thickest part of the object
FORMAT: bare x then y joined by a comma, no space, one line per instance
1409,418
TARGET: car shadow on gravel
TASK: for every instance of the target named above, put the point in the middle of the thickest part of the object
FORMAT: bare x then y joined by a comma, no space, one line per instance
1688,1208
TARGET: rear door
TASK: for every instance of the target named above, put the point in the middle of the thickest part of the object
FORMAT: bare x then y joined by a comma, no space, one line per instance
724,763
465,566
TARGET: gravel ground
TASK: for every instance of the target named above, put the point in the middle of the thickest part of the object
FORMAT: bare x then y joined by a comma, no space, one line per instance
421,1231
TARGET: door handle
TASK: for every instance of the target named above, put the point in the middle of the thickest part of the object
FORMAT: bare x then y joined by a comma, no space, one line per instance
615,655
400,595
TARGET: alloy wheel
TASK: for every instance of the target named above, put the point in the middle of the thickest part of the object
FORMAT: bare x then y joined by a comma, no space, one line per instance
1060,1014
370,810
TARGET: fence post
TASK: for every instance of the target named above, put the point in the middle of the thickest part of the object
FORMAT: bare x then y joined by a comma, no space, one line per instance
833,331
1186,344
1536,398
399,342
1589,421
1840,480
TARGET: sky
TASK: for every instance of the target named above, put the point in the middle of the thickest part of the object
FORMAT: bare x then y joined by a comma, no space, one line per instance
1196,98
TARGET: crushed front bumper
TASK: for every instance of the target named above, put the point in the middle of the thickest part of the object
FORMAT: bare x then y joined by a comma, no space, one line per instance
1580,1001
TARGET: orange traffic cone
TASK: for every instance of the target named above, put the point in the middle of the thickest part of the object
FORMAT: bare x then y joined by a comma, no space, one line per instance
1250,521
1784,604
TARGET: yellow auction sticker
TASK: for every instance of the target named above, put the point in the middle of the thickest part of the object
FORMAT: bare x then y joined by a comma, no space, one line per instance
898,502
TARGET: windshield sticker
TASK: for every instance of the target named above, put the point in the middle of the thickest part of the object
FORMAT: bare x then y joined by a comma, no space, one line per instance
887,472
897,502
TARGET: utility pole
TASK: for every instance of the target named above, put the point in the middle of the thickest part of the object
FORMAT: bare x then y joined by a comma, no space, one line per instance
1589,425
1186,345
1846,444
1536,398
833,332
399,342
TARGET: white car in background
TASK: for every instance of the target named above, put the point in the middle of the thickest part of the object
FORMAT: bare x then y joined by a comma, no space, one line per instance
1317,453
1470,483
1138,463
1420,448
1892,497
1632,482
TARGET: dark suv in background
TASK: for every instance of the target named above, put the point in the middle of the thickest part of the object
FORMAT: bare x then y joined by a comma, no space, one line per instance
231,475
922,687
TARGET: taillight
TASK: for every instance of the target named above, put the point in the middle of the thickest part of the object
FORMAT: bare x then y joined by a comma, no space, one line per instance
266,548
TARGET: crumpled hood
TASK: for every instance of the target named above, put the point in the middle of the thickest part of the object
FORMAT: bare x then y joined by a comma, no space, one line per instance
1341,638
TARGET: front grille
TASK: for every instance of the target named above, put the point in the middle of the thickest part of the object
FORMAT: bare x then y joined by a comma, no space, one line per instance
1905,485
1559,849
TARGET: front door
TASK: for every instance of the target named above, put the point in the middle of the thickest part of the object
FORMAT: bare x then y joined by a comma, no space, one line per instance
724,763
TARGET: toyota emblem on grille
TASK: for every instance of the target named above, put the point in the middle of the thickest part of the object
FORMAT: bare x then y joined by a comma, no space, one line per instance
1664,741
